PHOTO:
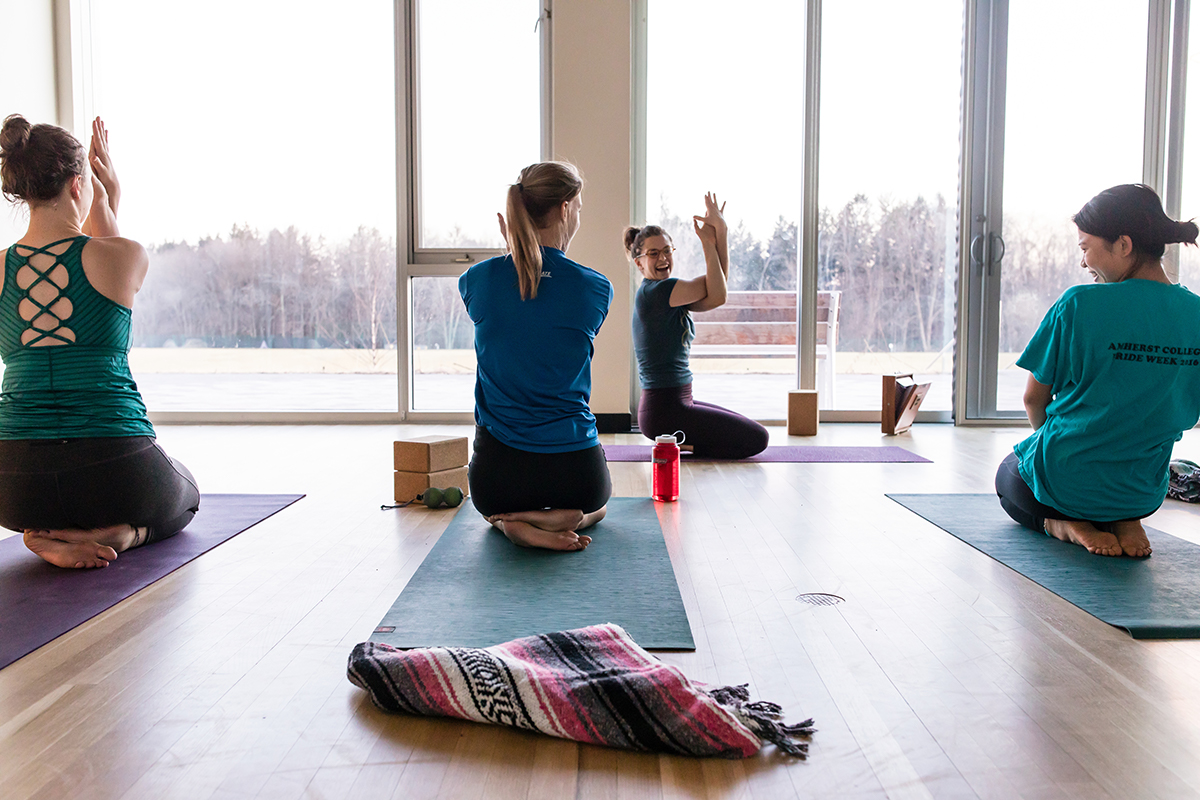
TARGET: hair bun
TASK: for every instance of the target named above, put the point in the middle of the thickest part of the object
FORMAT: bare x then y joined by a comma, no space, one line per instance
631,235
1186,232
15,134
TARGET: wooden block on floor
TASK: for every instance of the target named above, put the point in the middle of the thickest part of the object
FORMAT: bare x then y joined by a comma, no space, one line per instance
431,453
802,412
411,484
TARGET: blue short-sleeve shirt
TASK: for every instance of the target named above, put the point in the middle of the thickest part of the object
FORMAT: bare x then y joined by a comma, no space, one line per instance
1123,364
533,379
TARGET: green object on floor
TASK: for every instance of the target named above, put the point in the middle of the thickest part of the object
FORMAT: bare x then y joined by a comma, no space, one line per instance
1152,598
453,496
476,588
431,497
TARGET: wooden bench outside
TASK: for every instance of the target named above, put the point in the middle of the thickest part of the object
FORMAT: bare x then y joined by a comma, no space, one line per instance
763,325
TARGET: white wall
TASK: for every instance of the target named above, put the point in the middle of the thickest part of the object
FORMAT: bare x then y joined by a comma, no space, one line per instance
591,129
26,81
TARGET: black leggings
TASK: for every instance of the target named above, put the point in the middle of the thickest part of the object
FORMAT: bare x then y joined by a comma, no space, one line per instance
54,484
504,479
713,432
1017,499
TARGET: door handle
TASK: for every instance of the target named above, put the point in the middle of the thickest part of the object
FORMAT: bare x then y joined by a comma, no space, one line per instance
997,239
978,241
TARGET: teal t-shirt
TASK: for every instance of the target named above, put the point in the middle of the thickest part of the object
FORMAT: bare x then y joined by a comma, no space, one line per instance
1123,364
662,336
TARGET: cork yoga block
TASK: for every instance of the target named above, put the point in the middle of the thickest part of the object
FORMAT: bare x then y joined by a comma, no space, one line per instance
431,453
411,484
802,413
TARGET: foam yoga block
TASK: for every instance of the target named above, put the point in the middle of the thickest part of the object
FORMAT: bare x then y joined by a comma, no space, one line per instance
431,453
411,484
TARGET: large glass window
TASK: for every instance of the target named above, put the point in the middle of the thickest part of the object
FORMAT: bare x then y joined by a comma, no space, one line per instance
477,111
1060,149
725,114
1188,258
478,120
887,252
255,143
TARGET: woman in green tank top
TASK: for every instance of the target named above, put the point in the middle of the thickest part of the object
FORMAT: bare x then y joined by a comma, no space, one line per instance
80,472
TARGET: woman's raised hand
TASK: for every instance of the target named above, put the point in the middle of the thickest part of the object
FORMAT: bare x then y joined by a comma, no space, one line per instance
102,167
710,227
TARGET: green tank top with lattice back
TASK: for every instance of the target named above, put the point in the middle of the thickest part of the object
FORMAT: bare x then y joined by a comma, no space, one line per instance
65,348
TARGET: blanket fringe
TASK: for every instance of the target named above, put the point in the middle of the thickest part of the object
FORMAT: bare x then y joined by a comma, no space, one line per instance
762,717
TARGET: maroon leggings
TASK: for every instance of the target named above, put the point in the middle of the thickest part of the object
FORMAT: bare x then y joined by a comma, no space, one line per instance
713,432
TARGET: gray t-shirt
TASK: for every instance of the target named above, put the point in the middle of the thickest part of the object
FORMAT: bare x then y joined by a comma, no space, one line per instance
662,336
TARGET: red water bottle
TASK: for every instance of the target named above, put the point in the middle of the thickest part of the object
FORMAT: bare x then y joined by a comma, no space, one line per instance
665,478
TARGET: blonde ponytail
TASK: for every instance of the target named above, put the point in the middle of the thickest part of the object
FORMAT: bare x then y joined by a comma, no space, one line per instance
540,190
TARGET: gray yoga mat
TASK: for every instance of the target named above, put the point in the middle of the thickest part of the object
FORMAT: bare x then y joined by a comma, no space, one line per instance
477,589
39,602
1151,598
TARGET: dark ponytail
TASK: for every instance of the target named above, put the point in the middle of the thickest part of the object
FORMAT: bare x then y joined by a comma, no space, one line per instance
1134,210
37,161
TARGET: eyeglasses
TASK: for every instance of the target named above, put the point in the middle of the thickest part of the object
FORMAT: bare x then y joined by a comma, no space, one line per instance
654,255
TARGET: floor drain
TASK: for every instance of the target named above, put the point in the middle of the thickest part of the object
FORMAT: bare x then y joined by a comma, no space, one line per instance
820,599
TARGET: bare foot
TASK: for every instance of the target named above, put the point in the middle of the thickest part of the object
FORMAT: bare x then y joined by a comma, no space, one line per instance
118,537
526,535
548,519
71,555
1086,535
1132,537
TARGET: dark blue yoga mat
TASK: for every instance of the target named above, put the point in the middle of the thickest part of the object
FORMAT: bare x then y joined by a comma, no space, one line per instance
40,602
1152,598
477,589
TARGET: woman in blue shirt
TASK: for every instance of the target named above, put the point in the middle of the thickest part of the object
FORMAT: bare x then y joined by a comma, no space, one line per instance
538,472
662,339
1114,381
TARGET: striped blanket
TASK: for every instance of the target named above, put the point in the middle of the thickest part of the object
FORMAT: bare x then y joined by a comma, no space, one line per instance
593,685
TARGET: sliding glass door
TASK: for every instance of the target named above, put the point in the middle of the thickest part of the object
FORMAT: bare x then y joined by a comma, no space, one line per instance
1056,114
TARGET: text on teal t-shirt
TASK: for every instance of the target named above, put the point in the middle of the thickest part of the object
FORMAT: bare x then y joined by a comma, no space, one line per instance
1123,364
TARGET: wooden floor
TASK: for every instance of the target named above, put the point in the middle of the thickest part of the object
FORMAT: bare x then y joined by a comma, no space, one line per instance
943,674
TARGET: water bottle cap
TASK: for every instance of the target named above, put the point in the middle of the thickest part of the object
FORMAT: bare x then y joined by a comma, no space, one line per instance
666,438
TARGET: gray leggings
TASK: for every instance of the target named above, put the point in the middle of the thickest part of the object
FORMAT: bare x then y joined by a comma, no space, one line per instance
53,484
1017,499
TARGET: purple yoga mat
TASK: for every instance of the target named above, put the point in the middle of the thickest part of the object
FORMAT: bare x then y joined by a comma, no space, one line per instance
791,453
40,602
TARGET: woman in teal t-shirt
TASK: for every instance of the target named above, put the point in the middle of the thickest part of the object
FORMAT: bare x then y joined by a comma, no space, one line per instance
81,474
1114,381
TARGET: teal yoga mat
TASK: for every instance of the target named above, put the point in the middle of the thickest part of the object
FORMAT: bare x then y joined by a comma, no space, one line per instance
1151,598
477,589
